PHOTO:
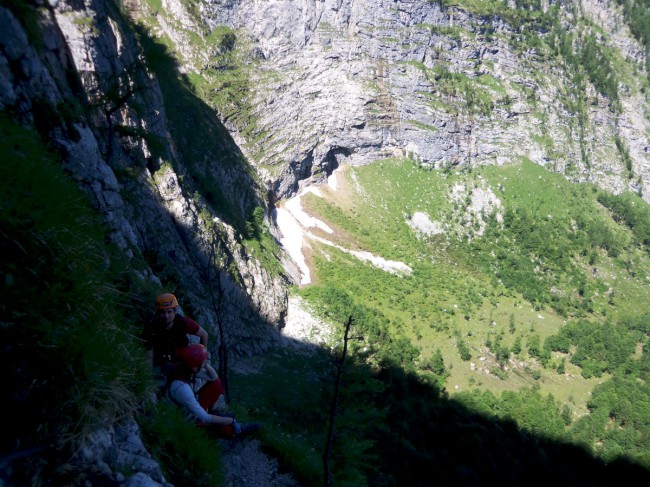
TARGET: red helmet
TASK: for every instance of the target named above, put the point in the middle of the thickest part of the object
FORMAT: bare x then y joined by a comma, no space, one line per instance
193,355
166,301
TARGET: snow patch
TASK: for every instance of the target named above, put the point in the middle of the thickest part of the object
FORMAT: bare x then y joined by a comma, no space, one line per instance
294,207
392,266
332,181
294,224
292,241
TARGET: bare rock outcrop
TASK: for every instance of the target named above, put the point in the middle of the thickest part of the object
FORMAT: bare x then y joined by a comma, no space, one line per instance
84,85
346,82
117,143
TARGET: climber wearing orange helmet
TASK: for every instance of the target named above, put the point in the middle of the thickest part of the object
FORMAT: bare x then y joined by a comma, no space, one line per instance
169,331
199,402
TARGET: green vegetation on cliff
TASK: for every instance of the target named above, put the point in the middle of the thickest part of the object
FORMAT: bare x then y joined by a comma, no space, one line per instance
70,351
514,351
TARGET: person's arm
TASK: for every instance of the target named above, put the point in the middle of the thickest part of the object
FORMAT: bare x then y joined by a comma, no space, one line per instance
222,420
203,336
193,328
210,373
182,393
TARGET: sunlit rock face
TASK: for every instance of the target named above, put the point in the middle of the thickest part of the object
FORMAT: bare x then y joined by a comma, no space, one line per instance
335,82
350,81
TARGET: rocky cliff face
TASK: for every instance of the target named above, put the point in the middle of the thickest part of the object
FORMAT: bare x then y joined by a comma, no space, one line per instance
76,73
348,81
83,83
331,82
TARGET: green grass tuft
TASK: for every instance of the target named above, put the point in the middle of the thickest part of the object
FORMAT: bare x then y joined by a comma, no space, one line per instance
68,341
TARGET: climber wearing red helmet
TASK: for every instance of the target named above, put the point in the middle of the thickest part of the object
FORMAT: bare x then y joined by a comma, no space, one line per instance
200,401
168,331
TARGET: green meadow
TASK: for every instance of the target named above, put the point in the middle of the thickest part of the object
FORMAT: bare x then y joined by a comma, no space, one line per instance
496,281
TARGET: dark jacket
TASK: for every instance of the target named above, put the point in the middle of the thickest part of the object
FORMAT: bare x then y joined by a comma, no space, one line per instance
165,341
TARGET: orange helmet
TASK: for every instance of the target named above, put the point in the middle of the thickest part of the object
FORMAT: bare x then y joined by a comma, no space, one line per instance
193,355
166,301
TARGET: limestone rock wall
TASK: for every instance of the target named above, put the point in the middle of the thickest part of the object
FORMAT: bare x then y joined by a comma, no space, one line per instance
85,86
354,80
76,73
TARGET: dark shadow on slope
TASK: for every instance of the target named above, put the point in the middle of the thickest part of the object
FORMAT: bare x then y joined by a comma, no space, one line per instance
423,438
393,429
213,172
434,440
218,169
47,386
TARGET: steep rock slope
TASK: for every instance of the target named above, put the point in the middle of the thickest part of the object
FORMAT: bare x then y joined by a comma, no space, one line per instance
85,85
179,211
334,82
348,81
